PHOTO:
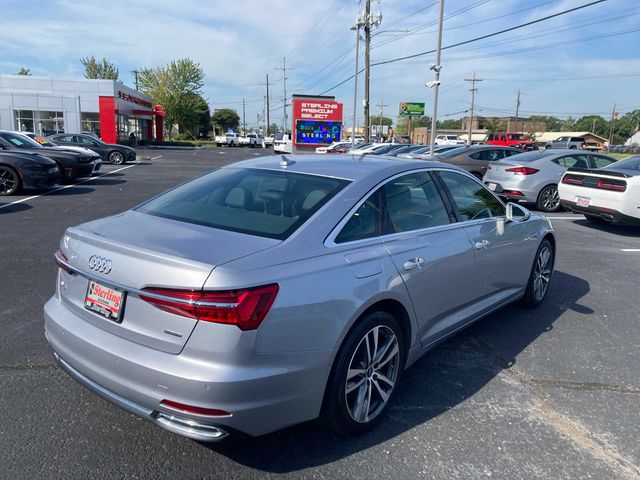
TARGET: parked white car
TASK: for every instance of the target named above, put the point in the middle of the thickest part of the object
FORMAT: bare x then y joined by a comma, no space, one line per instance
230,139
268,140
449,140
333,147
250,140
610,194
282,143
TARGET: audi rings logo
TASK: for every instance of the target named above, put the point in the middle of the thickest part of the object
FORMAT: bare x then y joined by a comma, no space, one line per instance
100,264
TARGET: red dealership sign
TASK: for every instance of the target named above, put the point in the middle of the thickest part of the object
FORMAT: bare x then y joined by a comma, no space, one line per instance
328,111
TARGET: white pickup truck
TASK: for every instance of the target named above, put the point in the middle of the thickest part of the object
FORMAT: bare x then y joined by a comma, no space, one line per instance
230,139
250,140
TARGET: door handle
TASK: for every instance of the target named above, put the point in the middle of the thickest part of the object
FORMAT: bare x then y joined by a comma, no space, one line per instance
414,263
482,244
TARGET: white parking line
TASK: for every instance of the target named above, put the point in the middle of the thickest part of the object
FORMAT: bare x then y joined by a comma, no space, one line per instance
630,249
65,187
575,217
155,158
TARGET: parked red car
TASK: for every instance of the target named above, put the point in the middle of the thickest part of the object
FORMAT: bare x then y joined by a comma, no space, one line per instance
511,139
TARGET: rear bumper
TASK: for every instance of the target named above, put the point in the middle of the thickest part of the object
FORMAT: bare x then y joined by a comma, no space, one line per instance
503,189
607,214
262,392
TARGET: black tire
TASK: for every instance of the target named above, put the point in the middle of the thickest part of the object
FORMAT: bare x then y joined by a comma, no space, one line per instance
340,406
116,157
10,182
548,199
541,271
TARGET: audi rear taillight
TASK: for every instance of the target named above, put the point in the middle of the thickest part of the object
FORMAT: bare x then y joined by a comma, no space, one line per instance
522,170
62,260
245,308
617,185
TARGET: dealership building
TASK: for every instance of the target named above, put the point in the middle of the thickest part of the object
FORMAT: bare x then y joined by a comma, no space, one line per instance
47,105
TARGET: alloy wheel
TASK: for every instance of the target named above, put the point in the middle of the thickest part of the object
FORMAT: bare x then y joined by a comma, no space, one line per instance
117,158
542,273
8,181
372,374
550,199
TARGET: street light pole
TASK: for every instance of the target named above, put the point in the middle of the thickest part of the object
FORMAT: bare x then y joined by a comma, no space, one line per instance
436,83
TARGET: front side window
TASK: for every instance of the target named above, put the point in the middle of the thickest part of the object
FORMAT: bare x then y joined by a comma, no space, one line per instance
471,199
86,140
413,202
264,203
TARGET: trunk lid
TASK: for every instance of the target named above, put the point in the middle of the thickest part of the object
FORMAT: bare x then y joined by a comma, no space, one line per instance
146,251
498,169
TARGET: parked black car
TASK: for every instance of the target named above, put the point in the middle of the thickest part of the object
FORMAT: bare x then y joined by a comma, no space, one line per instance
474,159
109,152
70,164
24,170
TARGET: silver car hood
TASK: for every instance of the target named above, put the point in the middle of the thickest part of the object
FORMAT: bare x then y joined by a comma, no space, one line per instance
195,243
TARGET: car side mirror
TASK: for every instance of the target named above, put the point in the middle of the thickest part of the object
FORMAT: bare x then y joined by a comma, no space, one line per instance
517,213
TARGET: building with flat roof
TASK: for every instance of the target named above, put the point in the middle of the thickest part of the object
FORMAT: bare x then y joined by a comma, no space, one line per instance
48,105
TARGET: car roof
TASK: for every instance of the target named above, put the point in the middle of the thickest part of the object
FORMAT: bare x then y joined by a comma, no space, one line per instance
345,166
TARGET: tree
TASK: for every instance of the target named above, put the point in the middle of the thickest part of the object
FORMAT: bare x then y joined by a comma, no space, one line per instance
553,124
449,124
104,69
375,120
568,124
177,87
273,128
225,119
197,121
494,124
24,71
594,124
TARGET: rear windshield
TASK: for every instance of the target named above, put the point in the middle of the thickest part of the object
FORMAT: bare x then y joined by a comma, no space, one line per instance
453,152
631,163
258,202
530,156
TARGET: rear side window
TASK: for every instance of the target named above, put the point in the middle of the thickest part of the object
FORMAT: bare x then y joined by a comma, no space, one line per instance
258,202
488,155
471,199
602,161
578,161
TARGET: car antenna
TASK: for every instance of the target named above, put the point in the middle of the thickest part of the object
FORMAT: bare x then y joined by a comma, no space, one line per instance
285,162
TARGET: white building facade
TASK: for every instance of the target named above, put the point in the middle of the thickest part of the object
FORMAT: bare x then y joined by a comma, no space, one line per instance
47,105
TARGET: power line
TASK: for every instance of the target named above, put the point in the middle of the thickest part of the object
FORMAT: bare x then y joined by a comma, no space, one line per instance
476,39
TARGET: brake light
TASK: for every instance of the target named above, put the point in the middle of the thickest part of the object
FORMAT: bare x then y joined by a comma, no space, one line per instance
573,180
522,170
612,185
514,193
213,412
244,308
61,260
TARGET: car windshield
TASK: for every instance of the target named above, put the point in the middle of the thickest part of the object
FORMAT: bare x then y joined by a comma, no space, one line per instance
265,203
631,163
19,141
452,137
41,140
453,152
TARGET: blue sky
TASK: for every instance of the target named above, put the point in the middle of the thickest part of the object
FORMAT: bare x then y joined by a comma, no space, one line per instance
559,66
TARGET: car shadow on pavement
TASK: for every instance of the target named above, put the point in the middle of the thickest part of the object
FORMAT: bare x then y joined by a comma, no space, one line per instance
107,181
18,207
448,375
620,230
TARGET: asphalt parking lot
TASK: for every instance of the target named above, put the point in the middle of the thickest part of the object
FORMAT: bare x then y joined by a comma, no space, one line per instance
546,393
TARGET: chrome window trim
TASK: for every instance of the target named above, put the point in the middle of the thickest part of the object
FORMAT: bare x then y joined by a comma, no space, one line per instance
138,292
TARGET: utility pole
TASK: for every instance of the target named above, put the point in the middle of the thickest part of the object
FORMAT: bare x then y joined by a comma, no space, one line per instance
436,83
369,22
135,76
244,121
381,105
267,108
284,69
473,91
356,26
614,114
517,110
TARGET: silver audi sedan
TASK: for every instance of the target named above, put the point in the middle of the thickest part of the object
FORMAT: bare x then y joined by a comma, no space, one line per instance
277,290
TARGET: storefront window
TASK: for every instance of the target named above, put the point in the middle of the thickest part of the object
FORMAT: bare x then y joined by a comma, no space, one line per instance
24,121
48,123
91,123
